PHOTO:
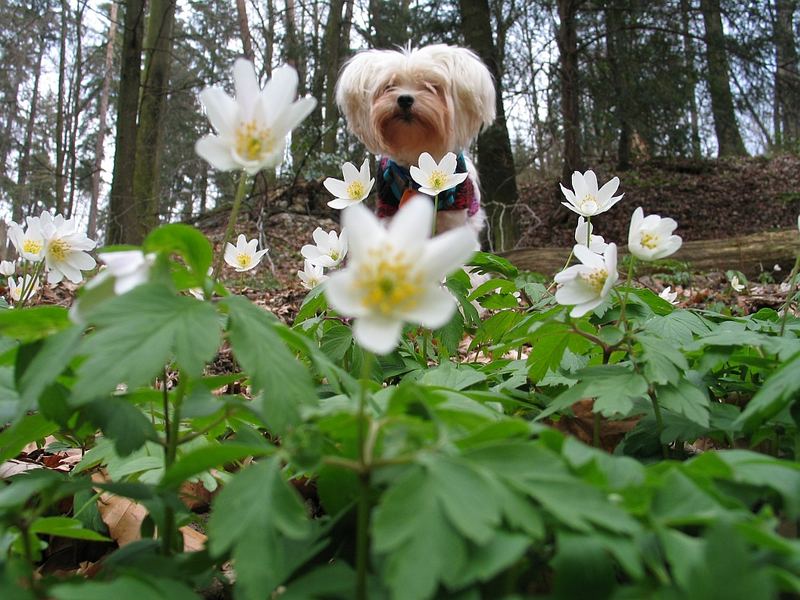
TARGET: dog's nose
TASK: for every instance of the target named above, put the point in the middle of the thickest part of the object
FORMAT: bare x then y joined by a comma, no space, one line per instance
405,102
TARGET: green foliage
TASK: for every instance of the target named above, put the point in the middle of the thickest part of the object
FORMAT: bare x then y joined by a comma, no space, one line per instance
423,474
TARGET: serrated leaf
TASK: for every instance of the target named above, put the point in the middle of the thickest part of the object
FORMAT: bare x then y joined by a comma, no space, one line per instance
184,240
337,341
777,392
208,457
34,323
251,514
122,423
50,360
663,363
455,377
686,399
283,381
136,336
65,527
548,345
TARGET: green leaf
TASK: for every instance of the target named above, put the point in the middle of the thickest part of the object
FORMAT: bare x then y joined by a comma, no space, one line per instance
337,341
29,429
614,389
548,345
284,382
419,544
122,423
208,457
124,587
250,516
491,263
493,286
65,527
313,304
663,363
779,391
450,335
29,324
184,240
455,377
50,360
685,398
137,335
678,327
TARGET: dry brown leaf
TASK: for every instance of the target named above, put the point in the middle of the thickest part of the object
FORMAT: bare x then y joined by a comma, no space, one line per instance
14,467
124,517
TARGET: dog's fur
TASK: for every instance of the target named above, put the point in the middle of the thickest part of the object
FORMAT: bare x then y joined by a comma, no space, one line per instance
403,103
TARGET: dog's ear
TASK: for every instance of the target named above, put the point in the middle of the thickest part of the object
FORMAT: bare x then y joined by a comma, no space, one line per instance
355,90
473,94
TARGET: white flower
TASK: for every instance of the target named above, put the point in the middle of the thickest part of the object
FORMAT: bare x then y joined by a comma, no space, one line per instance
8,267
736,285
30,242
244,255
650,237
587,284
252,128
22,284
669,295
128,268
585,199
583,231
355,187
329,251
434,178
65,249
395,275
311,275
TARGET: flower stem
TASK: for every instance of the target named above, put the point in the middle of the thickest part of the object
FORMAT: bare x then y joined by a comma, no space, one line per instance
789,293
237,203
631,265
659,422
28,290
435,212
172,432
362,514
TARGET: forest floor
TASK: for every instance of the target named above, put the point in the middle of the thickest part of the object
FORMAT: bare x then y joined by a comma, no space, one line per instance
709,199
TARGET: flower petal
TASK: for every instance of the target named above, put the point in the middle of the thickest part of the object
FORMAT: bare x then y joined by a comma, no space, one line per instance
447,252
342,294
426,162
412,224
246,85
587,257
350,172
221,109
590,180
433,310
448,163
370,232
342,203
377,335
605,192
337,187
574,292
216,152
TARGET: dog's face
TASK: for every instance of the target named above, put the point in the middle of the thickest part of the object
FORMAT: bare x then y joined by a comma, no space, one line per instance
403,103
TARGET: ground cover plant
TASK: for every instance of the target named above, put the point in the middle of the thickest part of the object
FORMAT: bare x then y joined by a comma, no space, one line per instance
398,440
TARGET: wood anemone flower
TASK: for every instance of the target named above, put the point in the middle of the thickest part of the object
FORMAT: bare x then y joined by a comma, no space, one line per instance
252,127
651,238
354,188
434,177
329,251
586,285
244,255
394,275
311,275
585,199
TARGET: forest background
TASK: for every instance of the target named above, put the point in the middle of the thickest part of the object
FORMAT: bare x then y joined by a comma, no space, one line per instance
99,108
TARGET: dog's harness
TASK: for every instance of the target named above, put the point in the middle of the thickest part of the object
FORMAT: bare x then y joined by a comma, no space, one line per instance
395,185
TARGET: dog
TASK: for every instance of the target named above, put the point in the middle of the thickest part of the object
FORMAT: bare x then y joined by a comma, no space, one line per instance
401,103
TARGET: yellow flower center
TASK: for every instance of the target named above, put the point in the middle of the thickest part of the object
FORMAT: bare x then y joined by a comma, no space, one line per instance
254,142
588,203
31,246
596,279
243,260
437,180
387,283
58,249
334,254
650,240
355,190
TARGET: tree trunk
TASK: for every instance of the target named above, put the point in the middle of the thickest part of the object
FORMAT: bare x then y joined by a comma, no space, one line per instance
121,214
688,51
495,159
21,197
567,38
618,47
101,118
787,77
334,32
149,133
244,30
62,70
729,140
76,107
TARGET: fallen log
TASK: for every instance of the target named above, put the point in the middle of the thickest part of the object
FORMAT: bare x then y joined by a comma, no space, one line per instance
750,254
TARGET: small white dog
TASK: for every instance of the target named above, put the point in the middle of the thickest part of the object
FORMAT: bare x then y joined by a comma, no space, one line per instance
403,103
